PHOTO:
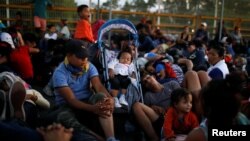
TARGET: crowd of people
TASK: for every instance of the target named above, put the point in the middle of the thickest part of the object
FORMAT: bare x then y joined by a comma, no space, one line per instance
189,83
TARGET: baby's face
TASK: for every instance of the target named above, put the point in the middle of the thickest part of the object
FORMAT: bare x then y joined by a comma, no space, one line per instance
125,58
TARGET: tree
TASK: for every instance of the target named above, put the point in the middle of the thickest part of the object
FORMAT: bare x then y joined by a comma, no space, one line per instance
106,5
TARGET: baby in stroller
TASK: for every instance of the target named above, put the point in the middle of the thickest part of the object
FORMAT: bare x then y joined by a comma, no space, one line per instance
120,70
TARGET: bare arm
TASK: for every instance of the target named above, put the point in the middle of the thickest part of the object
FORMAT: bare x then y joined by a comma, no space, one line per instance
33,50
95,81
70,98
108,102
187,62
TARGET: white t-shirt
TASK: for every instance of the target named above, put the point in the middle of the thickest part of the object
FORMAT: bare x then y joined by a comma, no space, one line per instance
50,36
122,69
65,32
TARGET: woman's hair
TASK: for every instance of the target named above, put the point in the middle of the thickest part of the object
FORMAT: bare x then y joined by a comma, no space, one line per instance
178,94
149,63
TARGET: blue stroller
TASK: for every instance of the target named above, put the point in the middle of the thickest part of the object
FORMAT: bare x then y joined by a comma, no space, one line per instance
106,37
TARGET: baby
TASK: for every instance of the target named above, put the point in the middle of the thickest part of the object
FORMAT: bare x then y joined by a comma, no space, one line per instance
119,72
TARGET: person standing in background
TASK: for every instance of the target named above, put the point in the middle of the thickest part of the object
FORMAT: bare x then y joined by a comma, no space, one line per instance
40,14
83,29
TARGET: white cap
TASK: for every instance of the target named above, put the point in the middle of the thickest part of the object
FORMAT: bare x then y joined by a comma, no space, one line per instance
204,24
5,37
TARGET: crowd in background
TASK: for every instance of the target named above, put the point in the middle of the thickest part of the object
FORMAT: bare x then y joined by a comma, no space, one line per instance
190,82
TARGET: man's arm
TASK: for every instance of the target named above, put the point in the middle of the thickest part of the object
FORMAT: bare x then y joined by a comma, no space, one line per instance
68,95
96,83
108,102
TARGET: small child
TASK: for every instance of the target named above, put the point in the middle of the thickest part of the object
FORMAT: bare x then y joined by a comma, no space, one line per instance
51,34
83,29
64,32
179,119
119,72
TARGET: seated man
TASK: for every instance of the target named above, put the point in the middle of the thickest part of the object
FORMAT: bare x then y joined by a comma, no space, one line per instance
79,104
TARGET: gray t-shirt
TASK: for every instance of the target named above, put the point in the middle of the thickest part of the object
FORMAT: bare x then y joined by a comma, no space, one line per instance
162,98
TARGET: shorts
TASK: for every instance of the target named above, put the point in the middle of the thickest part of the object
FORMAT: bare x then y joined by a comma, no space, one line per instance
40,23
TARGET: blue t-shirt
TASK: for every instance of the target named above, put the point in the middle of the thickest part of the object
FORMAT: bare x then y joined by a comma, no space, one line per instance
79,85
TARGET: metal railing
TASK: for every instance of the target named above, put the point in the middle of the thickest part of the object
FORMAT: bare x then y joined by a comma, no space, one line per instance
170,23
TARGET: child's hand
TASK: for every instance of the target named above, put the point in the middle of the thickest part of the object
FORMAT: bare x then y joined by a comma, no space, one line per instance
111,73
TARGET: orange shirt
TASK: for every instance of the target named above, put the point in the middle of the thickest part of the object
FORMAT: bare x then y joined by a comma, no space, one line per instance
83,31
172,125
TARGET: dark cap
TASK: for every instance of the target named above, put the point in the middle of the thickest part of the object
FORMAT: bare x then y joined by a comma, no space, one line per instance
77,48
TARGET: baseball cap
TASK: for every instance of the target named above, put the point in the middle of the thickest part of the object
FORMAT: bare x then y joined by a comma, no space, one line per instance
77,48
5,37
204,24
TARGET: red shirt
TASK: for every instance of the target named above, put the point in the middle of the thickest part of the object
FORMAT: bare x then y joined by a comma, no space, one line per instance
172,125
84,31
21,62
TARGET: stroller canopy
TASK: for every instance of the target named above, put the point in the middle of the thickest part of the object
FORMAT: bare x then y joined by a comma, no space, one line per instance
117,24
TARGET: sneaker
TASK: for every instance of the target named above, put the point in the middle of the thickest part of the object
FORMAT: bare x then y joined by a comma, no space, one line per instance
2,105
117,103
17,95
40,101
122,100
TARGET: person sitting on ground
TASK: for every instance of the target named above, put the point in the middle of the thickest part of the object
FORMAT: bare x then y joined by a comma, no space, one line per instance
77,102
51,32
196,55
184,38
220,107
19,93
162,69
19,58
218,68
202,34
5,50
19,24
119,72
150,114
64,32
179,119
